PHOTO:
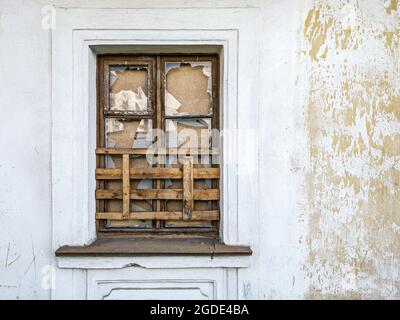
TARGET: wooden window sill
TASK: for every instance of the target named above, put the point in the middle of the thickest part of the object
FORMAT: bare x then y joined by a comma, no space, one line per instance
153,247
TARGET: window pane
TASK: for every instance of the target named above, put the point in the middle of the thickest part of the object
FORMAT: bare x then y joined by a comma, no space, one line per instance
188,133
129,89
128,134
188,88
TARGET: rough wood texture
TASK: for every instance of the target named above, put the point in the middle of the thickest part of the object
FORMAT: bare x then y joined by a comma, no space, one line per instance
125,186
188,203
160,151
156,173
206,173
161,215
113,195
147,247
159,194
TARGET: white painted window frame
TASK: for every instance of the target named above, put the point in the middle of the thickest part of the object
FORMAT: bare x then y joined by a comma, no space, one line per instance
79,35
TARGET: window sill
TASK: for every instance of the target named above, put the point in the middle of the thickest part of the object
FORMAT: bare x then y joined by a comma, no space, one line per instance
154,247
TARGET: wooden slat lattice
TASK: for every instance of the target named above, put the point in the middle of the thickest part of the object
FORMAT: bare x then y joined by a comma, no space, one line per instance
187,194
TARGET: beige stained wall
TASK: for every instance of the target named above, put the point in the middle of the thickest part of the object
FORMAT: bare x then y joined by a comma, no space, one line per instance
352,185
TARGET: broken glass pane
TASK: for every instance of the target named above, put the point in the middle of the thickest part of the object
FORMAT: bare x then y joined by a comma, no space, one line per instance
129,89
188,88
128,134
188,133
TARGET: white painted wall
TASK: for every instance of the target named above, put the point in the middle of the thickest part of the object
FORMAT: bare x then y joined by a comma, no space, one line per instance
25,175
304,249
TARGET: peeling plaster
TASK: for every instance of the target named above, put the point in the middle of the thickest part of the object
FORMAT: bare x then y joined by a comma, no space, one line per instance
354,150
392,6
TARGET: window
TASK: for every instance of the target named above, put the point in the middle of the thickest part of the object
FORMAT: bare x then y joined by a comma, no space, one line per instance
157,146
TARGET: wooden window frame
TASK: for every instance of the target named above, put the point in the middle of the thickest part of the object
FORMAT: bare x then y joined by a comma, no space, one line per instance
156,111
144,61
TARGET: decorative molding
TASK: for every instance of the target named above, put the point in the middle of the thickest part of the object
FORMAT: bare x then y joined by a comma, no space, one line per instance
211,282
153,262
80,35
87,44
157,288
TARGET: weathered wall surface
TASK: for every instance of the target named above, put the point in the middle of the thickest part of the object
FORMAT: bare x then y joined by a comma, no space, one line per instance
353,124
329,146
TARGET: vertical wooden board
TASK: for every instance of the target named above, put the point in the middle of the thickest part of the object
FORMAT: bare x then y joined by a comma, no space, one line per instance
187,188
158,124
125,186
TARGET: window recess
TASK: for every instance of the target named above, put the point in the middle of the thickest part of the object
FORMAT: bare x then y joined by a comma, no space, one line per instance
157,150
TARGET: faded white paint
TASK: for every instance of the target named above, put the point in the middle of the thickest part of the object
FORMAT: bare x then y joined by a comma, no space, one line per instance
315,176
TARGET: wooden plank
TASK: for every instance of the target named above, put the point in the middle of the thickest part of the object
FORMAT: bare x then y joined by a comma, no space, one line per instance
206,194
120,151
162,151
188,203
149,194
156,173
159,184
161,215
158,194
190,116
125,187
140,173
206,173
151,246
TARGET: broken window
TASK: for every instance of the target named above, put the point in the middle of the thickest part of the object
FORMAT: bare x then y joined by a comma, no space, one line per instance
129,89
188,88
156,170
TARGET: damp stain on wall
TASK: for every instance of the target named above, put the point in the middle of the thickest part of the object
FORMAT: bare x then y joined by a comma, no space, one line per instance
353,123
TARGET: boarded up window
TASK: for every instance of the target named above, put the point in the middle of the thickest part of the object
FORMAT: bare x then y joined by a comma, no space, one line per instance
168,106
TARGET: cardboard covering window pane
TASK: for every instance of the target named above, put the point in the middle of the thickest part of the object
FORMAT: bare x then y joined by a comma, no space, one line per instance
188,88
135,134
129,88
